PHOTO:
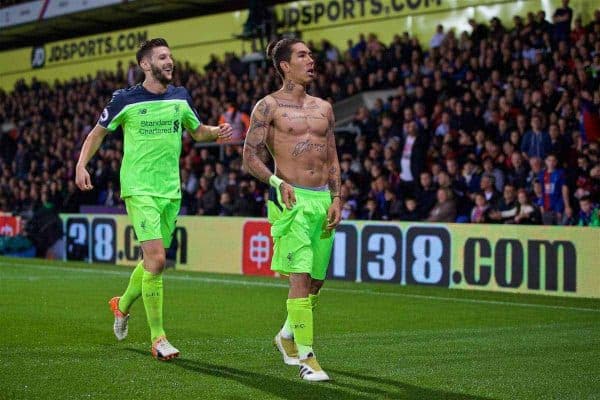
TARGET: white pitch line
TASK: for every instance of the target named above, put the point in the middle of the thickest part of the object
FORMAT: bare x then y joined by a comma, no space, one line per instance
241,282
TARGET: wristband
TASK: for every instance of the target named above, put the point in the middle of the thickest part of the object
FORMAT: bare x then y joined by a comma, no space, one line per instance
275,181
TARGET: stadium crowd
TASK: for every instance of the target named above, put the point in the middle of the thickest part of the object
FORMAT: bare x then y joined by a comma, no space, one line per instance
496,125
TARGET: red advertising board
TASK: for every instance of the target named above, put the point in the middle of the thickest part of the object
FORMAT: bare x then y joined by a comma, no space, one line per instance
9,225
257,248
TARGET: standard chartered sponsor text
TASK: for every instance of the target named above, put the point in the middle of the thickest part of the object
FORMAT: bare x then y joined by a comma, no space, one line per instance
156,127
93,47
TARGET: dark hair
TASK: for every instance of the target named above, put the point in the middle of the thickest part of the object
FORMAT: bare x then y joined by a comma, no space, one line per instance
146,47
281,50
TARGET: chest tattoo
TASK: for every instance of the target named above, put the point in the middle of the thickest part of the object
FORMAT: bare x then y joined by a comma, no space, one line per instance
305,146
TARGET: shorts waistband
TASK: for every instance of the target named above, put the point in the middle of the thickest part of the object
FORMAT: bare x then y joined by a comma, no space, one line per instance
319,191
323,188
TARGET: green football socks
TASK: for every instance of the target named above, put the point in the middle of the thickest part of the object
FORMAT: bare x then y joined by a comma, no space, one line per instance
134,289
286,330
152,293
301,321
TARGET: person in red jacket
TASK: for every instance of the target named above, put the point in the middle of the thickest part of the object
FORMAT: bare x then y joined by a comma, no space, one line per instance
239,121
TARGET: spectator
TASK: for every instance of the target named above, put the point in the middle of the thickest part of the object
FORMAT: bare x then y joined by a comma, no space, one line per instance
524,212
517,171
244,204
457,183
555,193
445,208
489,190
443,128
206,198
562,21
480,32
348,211
392,207
414,148
438,38
226,208
373,44
536,143
589,109
425,194
189,182
359,48
589,215
535,168
371,211
364,122
108,197
481,211
330,52
133,74
72,199
410,211
491,169
239,121
471,178
388,130
221,178
508,202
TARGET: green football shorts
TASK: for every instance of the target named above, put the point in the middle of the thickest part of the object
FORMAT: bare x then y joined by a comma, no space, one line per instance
302,242
153,217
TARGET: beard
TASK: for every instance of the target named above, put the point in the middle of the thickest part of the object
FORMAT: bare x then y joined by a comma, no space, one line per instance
157,73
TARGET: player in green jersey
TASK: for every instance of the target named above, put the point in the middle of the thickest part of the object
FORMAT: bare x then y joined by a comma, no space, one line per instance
304,203
152,115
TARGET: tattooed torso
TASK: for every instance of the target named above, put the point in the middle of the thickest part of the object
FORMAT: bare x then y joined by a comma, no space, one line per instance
299,138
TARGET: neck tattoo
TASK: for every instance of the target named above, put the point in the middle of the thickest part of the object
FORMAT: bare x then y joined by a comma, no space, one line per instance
289,86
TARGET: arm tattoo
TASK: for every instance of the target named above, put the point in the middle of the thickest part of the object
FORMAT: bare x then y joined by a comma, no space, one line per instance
334,180
264,155
257,123
264,108
255,145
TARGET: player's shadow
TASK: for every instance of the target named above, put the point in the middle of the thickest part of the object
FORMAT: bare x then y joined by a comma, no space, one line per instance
403,390
279,387
301,390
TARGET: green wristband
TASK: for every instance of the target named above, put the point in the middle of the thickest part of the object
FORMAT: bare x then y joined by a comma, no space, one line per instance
275,181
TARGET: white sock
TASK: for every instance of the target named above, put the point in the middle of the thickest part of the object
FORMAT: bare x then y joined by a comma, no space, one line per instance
286,330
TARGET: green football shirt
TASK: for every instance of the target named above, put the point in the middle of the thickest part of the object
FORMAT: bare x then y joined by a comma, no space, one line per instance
152,129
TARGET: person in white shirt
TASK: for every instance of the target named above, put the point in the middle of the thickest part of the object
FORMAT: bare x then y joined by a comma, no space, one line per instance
438,37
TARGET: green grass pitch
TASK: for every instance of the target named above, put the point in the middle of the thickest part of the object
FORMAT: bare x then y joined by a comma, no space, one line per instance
377,341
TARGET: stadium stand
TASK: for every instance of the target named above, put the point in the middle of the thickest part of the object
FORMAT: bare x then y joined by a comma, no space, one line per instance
497,125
